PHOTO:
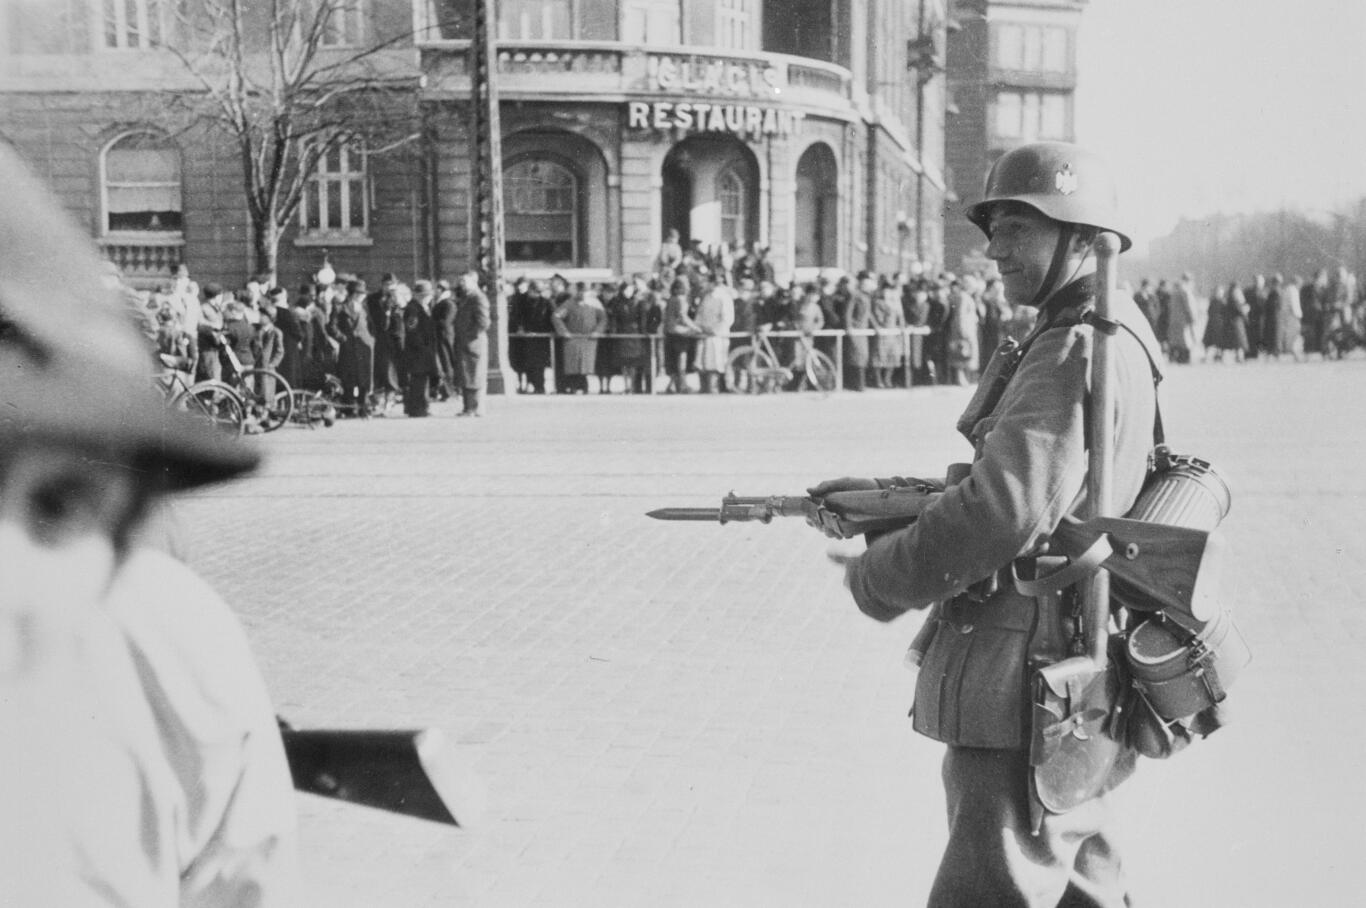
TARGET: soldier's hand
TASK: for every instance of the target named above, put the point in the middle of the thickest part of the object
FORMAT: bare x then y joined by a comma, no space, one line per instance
827,521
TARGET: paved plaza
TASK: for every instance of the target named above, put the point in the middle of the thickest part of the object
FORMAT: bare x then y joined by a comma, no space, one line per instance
697,715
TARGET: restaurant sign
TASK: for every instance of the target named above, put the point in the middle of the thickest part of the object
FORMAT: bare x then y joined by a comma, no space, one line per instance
697,116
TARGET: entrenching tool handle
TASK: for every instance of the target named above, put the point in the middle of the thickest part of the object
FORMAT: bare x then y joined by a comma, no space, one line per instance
1099,480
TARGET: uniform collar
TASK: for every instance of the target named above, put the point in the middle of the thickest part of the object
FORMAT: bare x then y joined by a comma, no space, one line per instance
1074,297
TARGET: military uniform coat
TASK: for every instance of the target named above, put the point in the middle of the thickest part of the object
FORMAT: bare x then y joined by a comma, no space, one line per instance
1029,473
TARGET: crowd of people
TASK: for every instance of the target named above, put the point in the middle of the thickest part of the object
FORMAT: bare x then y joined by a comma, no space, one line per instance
398,342
1268,318
698,304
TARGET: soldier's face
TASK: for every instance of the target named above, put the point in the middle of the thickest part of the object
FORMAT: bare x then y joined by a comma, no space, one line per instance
60,514
1022,245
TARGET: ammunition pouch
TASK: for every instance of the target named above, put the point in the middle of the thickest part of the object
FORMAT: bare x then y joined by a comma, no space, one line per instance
1072,753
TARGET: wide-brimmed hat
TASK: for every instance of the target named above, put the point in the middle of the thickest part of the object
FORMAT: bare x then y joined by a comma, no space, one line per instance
73,367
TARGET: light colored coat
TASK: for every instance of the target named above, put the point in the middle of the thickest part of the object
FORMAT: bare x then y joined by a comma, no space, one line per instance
581,321
715,315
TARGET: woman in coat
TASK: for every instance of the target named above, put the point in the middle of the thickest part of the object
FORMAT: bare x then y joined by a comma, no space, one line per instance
962,335
887,319
580,321
715,315
1236,312
858,316
679,332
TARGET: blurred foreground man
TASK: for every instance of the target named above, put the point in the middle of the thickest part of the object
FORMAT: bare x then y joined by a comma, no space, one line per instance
140,763
1044,205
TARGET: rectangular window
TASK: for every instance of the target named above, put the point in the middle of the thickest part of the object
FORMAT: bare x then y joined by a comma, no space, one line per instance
1053,117
1008,108
651,22
340,23
1010,47
1055,50
732,24
132,24
335,199
535,20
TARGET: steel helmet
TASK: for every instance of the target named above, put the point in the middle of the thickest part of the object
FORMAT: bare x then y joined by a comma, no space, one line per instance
1058,179
73,367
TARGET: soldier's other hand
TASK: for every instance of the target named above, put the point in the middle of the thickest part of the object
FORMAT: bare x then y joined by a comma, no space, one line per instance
843,484
847,561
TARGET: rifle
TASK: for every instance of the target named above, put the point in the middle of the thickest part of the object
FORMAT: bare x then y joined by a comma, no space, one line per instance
1152,565
847,513
406,772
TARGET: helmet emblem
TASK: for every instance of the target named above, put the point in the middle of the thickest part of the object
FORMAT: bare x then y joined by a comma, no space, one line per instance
1065,180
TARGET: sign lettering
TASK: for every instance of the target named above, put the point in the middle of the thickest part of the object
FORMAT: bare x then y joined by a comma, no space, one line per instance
698,116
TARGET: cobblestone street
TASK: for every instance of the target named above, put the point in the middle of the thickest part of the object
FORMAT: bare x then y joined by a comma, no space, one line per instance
695,715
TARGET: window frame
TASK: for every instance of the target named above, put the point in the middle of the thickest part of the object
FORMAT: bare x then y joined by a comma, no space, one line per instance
149,12
648,11
352,13
1030,114
106,232
571,20
734,18
731,184
318,191
574,210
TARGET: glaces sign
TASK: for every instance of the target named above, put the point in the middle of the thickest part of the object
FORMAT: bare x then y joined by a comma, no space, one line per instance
718,80
706,76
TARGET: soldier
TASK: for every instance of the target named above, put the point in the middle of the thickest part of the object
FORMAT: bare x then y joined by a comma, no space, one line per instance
1044,205
142,762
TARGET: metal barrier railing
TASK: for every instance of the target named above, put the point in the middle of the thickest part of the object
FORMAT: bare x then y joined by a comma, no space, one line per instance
655,353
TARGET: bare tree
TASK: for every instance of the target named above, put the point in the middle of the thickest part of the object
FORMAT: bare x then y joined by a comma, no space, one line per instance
292,82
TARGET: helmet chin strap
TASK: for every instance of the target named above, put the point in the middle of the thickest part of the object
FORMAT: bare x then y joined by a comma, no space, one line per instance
1051,284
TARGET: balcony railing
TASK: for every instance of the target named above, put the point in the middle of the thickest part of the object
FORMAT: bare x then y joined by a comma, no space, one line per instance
621,70
144,262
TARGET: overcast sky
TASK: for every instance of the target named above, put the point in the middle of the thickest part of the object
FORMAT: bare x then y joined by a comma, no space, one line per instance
1233,105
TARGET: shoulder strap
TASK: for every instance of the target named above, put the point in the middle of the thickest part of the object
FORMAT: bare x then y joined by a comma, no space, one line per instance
1109,326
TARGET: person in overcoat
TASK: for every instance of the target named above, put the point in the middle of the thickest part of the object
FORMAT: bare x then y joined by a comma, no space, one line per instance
887,318
319,348
680,331
580,321
420,344
1289,340
624,318
984,640
379,309
1215,315
858,316
531,314
443,322
1181,320
962,334
350,328
715,315
292,334
1235,340
472,321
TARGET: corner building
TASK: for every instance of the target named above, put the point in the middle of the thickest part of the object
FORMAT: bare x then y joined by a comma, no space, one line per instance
1012,76
789,123
814,127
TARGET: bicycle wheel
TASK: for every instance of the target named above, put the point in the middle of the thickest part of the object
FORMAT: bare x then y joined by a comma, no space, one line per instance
269,398
820,372
747,369
215,402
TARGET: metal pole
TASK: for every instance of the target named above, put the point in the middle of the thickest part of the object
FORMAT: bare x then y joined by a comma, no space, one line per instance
1102,412
487,245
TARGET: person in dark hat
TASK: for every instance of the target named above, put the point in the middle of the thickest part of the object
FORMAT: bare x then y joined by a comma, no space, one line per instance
142,760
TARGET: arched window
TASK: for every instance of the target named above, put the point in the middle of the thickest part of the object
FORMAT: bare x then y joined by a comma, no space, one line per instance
541,207
140,175
730,191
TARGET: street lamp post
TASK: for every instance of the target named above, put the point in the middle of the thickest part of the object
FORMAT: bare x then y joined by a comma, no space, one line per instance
487,141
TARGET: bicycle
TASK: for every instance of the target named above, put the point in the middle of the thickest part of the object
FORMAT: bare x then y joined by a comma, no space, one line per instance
215,401
758,369
268,398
